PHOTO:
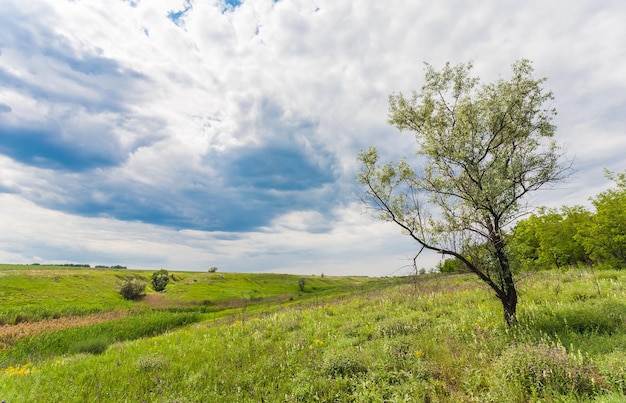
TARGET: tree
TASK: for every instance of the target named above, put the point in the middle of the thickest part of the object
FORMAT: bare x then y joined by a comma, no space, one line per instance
483,149
159,280
550,238
605,236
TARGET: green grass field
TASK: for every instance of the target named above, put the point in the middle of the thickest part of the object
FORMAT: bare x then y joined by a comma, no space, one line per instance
441,339
32,293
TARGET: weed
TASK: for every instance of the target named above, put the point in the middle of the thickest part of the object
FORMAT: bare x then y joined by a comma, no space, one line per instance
539,370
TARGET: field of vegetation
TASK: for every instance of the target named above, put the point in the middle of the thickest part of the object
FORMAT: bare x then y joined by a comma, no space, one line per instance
213,337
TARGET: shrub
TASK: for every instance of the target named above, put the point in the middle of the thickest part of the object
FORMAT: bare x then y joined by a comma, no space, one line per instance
159,280
344,363
212,269
133,289
543,370
96,345
301,282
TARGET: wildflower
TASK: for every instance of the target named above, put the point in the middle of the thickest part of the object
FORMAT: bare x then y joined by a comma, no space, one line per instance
418,354
19,370
319,342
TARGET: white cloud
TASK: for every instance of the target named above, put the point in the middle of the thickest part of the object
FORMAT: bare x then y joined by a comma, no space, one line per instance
177,103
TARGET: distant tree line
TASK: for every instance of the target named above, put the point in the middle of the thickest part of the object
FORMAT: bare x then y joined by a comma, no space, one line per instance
117,267
84,265
553,238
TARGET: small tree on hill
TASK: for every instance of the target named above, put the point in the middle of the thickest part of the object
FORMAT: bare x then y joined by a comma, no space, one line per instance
483,149
159,280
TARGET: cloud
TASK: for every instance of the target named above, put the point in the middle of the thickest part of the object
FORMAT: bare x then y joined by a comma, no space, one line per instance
234,125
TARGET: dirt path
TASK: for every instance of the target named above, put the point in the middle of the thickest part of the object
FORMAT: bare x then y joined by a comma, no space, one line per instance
10,333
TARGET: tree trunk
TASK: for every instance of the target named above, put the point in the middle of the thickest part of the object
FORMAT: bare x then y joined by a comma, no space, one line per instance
509,293
509,303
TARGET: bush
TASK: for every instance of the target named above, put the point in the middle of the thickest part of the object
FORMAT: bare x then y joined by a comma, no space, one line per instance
544,370
159,280
133,289
212,269
343,363
301,282
97,345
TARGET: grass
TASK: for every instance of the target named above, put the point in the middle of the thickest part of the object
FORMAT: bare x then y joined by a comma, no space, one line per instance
440,340
31,293
92,338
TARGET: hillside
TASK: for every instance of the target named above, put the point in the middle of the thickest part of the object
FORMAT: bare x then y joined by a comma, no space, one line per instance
439,339
31,293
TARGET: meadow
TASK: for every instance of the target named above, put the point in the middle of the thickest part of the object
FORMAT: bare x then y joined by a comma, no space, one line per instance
434,338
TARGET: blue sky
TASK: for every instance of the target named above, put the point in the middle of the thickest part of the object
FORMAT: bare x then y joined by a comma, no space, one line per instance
187,134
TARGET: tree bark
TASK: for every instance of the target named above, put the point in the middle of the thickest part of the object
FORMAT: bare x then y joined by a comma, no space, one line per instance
509,292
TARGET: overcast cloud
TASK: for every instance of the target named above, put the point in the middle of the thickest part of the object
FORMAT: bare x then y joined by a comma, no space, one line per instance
190,134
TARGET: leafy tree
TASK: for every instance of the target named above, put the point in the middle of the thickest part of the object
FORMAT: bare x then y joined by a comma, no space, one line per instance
483,148
550,238
449,266
159,280
605,236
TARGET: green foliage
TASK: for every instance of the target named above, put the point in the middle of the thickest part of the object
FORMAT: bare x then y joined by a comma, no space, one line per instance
550,239
301,283
212,269
573,235
159,280
133,289
451,266
605,237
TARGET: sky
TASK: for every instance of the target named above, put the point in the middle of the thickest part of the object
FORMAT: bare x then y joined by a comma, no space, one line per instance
197,133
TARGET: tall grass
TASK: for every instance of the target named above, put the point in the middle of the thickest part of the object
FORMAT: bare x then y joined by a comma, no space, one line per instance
94,338
441,340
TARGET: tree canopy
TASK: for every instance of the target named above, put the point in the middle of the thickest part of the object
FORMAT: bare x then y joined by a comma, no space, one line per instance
481,149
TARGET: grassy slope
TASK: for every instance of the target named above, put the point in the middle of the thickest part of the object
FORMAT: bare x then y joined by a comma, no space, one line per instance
31,293
442,339
36,292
